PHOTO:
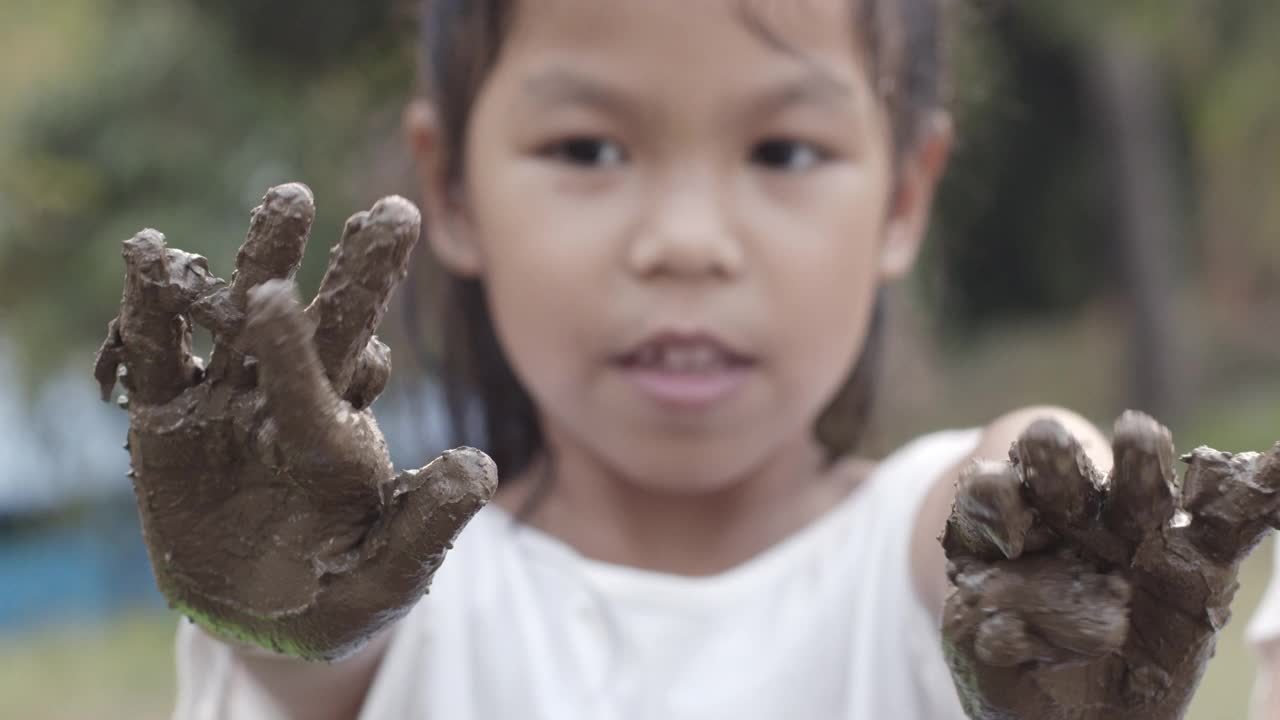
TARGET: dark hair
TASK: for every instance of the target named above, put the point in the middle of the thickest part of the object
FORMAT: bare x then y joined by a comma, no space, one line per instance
902,42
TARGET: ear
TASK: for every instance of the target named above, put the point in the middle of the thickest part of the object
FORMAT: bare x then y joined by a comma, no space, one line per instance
913,199
446,223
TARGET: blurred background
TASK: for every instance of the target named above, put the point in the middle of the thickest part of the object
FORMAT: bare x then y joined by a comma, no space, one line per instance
1108,237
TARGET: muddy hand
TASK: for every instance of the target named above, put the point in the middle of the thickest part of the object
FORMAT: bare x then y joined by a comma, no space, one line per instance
1082,597
268,501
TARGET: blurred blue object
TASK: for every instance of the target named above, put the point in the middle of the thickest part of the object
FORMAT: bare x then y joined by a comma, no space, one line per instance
94,567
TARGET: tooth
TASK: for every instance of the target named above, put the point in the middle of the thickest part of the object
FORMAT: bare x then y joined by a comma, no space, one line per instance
673,358
690,358
703,357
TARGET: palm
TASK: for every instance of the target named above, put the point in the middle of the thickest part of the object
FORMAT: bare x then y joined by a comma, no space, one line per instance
1081,598
267,496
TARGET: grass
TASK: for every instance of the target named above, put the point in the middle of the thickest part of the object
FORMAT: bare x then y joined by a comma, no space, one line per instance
120,670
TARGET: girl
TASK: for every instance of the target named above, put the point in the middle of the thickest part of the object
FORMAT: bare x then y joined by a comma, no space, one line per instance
665,226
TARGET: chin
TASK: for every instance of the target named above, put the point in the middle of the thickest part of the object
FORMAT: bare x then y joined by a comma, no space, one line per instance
679,471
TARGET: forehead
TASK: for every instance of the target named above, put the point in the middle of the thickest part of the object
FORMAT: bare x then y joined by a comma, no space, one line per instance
674,38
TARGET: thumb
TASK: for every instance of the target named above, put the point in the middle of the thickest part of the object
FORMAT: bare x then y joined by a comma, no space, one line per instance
424,510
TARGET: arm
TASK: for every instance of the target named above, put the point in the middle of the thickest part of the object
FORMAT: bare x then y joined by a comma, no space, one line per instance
219,681
928,561
1267,693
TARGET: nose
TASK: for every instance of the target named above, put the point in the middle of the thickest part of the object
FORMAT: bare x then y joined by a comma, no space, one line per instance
687,232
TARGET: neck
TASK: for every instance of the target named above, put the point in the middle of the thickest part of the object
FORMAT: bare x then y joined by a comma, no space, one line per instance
605,516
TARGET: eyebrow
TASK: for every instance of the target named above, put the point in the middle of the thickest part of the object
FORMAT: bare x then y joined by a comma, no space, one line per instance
559,85
814,87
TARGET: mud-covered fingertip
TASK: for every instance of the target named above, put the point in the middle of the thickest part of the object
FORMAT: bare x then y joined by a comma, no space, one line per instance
1046,447
1143,484
1046,433
1059,478
144,249
395,210
1139,431
989,501
475,466
293,199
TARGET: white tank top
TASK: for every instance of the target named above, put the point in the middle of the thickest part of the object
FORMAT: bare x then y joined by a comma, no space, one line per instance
825,625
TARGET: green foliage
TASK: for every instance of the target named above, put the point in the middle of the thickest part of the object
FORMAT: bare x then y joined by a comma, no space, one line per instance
123,114
1018,231
167,124
309,35
1021,227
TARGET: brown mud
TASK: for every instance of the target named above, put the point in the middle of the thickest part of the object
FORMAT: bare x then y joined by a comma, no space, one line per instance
268,501
1083,597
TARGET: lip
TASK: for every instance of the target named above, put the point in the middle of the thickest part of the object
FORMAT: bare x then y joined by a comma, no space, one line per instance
687,390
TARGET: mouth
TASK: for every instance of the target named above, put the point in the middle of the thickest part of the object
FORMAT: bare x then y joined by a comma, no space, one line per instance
690,353
691,370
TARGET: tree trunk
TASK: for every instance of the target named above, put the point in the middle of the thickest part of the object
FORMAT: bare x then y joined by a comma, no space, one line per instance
1130,98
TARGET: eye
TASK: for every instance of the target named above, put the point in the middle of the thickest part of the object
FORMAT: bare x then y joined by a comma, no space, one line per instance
586,152
788,155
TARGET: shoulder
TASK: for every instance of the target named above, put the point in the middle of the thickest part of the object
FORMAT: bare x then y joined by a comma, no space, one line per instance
909,472
937,447
1002,432
900,484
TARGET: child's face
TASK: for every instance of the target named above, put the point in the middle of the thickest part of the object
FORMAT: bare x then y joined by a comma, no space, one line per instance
681,212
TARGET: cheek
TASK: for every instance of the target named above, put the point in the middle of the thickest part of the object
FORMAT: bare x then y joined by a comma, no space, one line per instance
541,269
833,311
822,285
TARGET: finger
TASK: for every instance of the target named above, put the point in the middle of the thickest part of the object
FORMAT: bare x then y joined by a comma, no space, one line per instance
1061,481
1232,499
989,518
369,379
1140,496
1004,640
426,509
277,237
364,268
1065,489
1042,609
422,512
150,336
310,422
107,361
1083,613
272,249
